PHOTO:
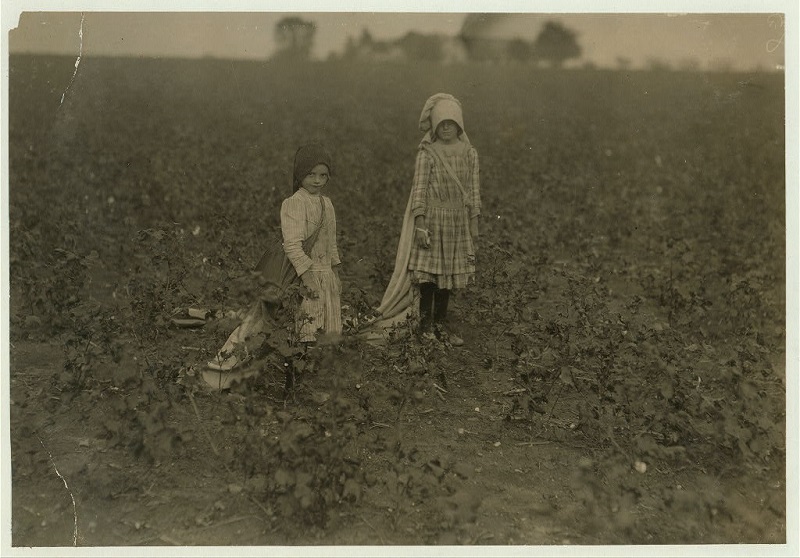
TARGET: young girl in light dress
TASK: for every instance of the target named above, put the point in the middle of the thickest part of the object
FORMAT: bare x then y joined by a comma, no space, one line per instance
304,214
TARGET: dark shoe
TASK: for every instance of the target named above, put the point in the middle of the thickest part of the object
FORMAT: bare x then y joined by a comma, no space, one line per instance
429,336
426,291
454,340
446,336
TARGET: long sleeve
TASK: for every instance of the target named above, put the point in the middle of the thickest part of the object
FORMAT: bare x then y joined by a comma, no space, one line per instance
419,188
475,181
293,228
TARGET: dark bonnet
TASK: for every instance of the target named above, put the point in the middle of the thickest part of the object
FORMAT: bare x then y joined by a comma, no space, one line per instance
308,157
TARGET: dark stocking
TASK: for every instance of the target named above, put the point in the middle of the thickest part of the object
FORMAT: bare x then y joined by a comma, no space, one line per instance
426,291
440,300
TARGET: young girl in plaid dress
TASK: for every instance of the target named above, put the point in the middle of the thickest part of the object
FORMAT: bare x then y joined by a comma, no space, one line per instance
445,203
436,250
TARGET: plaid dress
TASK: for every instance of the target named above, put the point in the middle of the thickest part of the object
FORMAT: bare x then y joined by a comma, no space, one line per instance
449,261
300,216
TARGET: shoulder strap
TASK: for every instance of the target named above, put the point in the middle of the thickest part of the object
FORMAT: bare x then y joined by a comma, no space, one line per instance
312,238
432,150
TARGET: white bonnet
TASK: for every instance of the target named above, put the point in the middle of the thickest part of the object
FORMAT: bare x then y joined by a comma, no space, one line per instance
438,107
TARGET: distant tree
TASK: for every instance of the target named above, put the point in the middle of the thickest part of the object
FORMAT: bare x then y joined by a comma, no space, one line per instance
366,37
689,65
354,47
623,62
658,65
366,48
419,47
721,65
295,37
350,48
519,50
556,44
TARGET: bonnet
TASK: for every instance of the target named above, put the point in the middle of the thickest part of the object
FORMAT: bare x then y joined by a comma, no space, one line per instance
439,107
308,157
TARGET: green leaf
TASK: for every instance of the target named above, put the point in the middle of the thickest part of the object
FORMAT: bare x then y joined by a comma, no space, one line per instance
666,389
351,491
284,478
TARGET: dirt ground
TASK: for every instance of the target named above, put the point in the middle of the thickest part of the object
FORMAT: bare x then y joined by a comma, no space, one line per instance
71,487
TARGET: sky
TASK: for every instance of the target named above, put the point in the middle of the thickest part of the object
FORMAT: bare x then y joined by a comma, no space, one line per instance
742,40
222,34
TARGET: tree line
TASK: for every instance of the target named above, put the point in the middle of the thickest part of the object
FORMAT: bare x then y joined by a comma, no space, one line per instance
553,46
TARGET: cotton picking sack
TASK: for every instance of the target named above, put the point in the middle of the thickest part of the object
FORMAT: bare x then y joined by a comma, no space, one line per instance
276,269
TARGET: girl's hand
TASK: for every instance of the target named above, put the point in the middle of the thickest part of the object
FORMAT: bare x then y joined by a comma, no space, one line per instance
308,283
473,228
422,237
338,277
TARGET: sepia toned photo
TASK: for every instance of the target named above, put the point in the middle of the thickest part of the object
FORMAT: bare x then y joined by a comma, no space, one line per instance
455,282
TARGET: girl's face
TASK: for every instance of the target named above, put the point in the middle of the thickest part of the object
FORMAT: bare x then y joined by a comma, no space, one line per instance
447,131
316,179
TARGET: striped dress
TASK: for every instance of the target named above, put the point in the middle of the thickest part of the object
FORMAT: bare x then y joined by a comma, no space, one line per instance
449,262
300,216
